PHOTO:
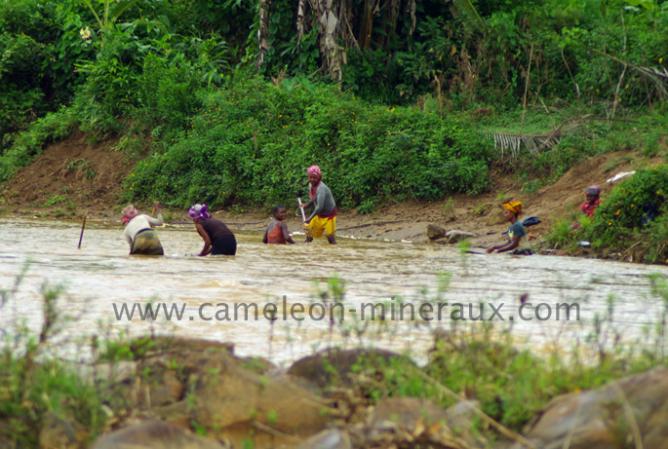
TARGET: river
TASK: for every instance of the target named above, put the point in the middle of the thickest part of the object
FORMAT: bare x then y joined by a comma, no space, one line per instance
100,277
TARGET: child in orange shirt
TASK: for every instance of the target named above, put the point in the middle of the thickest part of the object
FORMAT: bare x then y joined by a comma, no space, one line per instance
277,231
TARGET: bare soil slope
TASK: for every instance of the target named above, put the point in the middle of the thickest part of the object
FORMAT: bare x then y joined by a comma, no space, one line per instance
70,174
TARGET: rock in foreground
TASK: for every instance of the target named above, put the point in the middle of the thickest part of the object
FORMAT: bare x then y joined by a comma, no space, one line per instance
335,366
154,435
619,414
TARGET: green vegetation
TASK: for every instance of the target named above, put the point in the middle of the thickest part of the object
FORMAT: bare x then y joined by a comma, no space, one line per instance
28,144
252,140
32,392
635,214
54,200
36,389
480,361
632,220
511,384
80,168
586,133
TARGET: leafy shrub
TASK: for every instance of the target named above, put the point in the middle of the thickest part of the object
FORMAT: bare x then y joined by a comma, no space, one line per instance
36,61
165,92
632,205
633,217
111,78
28,144
16,111
657,240
252,141
560,235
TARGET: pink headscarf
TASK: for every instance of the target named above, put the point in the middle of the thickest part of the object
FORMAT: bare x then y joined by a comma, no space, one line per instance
128,213
314,170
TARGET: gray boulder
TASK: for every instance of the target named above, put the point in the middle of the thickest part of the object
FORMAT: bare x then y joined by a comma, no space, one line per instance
616,415
154,435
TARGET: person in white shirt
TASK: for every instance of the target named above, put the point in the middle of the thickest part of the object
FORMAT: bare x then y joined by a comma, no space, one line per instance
139,232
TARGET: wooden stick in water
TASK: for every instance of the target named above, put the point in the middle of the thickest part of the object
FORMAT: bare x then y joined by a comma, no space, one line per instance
83,226
301,208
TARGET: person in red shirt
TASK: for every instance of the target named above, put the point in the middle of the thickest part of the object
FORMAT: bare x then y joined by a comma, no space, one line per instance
277,231
593,200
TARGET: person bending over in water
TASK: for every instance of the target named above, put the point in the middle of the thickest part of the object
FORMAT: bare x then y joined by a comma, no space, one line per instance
277,231
139,233
218,239
323,217
511,210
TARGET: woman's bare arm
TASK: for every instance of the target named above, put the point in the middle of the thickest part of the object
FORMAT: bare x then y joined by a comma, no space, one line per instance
206,249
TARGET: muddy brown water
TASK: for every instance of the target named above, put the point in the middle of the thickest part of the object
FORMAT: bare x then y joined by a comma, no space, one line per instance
101,275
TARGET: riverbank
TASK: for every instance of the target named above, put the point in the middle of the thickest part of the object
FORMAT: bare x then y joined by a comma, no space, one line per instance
353,399
74,178
167,393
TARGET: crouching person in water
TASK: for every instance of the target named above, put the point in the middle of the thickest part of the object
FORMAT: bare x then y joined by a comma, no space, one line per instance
139,232
512,211
218,239
277,231
323,217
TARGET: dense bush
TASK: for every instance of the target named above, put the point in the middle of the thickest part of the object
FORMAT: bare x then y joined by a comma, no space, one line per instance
253,140
633,204
569,49
39,47
634,216
53,127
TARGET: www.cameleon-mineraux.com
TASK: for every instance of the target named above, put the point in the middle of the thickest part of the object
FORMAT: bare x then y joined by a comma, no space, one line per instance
391,310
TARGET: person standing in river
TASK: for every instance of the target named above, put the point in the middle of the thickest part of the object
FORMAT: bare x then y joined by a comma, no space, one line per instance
323,218
218,239
139,232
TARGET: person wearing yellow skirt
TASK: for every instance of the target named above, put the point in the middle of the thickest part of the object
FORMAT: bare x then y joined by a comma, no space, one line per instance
323,218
